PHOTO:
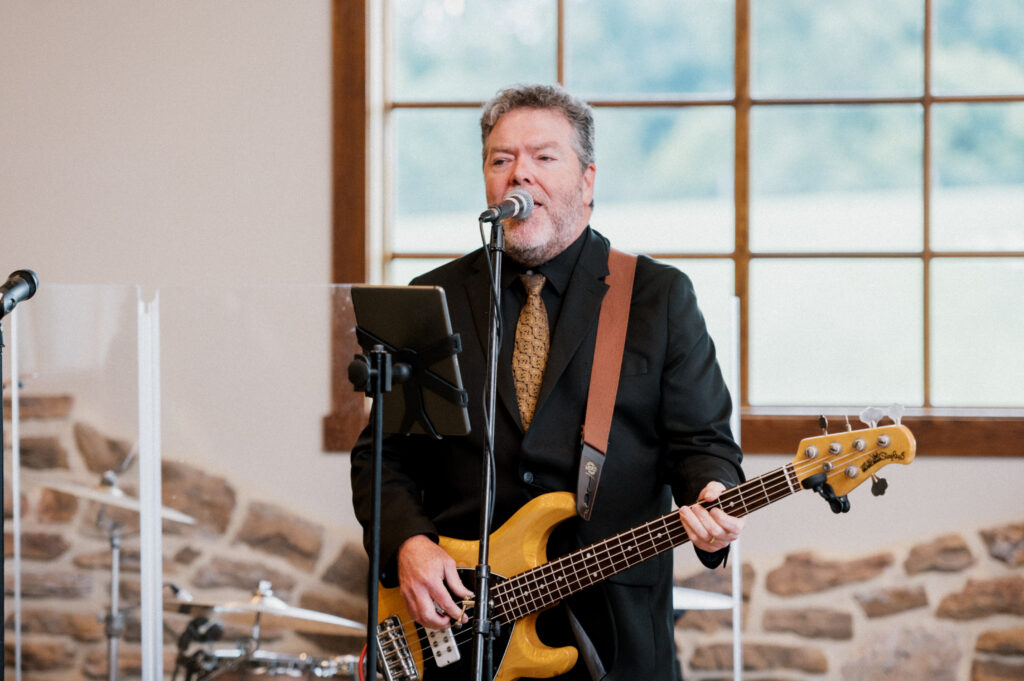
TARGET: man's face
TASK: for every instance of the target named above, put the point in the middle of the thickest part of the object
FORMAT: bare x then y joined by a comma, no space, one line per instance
532,149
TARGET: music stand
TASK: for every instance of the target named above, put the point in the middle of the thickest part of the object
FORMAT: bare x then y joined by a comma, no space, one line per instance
406,334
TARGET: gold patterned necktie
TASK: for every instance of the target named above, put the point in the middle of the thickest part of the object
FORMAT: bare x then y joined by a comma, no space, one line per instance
530,353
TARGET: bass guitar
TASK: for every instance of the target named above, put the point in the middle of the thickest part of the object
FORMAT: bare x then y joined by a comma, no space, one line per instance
524,582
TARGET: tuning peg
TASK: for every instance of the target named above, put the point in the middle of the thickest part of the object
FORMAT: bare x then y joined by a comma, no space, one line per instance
895,412
871,416
848,426
823,424
878,485
839,504
819,484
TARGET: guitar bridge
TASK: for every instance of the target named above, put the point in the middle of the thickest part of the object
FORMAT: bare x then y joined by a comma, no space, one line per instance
393,652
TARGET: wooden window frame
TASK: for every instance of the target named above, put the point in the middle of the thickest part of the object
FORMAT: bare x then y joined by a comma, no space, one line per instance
765,430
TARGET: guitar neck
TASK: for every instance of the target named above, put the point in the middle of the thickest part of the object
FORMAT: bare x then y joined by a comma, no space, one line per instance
547,584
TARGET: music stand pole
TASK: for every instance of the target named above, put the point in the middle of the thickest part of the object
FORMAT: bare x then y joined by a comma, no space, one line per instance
376,369
483,631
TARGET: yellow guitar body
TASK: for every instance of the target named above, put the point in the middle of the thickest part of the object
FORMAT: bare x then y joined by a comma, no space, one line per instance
518,545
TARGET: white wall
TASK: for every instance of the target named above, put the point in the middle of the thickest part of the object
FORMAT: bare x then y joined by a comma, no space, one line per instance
160,143
171,144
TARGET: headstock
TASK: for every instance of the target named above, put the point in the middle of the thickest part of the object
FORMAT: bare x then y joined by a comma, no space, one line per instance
834,463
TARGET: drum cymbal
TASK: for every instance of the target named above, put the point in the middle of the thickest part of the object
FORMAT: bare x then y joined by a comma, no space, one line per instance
270,611
115,496
696,599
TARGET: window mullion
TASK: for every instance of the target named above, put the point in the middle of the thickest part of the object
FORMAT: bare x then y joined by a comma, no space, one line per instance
741,188
560,37
926,181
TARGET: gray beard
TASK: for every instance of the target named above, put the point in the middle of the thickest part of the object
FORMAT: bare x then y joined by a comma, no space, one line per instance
536,255
564,235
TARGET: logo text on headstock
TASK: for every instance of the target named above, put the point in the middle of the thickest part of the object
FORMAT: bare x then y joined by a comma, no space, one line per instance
880,456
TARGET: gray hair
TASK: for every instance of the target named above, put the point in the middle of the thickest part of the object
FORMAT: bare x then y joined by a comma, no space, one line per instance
579,113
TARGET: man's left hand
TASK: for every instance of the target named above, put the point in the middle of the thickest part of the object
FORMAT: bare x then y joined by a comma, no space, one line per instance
710,530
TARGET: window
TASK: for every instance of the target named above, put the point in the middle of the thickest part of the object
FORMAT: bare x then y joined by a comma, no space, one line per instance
853,172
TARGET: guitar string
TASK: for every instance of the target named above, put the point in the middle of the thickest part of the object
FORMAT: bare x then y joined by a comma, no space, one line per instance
762,500
782,481
779,479
759,501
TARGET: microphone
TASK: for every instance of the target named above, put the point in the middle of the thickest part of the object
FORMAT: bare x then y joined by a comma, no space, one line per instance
517,204
21,285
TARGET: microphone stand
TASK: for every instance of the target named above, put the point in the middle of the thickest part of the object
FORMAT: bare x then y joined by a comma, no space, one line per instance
21,285
3,596
483,631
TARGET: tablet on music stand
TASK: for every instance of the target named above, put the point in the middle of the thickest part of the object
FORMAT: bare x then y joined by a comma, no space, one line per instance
412,323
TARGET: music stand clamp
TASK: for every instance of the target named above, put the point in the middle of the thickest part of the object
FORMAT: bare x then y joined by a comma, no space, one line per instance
377,372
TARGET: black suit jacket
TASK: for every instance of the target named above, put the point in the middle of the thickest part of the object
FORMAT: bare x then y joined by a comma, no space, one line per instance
669,437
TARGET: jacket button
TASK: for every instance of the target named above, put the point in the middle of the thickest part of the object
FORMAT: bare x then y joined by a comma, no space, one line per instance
528,477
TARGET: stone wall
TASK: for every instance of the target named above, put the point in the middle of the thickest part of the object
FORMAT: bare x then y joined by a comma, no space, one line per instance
237,541
935,608
944,609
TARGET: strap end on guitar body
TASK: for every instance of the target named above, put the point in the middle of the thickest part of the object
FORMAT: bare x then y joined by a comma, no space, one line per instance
591,463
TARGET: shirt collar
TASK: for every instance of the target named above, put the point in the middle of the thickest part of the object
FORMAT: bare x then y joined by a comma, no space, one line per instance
557,271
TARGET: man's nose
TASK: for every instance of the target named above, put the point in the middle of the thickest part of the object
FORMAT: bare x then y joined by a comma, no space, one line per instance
522,173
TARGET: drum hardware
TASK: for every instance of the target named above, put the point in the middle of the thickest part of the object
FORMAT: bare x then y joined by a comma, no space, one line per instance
200,630
107,493
263,609
244,663
266,609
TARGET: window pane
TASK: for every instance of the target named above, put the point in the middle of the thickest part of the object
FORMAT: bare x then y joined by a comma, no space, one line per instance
978,177
402,270
649,47
836,178
836,332
439,189
976,330
455,50
664,180
837,47
979,47
714,282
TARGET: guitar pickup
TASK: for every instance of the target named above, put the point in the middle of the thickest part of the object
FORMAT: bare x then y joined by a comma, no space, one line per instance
443,644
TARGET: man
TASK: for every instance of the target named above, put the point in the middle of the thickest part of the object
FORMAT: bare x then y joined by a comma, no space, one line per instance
669,436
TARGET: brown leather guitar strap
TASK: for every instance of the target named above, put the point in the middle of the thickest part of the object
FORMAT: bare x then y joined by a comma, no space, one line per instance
604,377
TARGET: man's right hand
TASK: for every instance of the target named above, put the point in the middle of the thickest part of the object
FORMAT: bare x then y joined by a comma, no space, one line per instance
424,568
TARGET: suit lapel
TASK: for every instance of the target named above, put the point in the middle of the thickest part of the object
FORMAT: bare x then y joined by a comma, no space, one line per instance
478,292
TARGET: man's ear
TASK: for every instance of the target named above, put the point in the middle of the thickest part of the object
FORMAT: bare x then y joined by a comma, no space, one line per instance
588,184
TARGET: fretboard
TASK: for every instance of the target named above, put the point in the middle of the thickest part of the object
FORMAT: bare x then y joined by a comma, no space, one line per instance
545,585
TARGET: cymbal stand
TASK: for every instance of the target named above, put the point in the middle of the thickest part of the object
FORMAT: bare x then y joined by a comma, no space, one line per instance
114,620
